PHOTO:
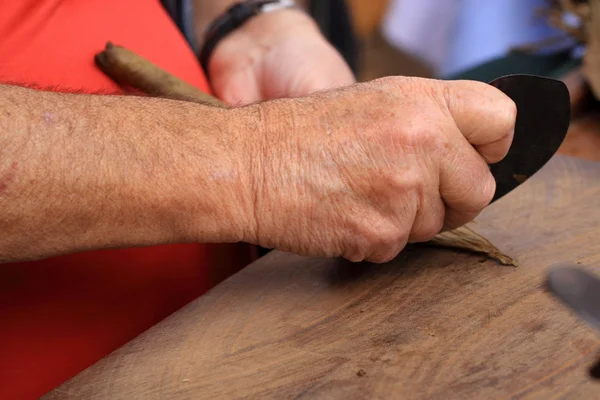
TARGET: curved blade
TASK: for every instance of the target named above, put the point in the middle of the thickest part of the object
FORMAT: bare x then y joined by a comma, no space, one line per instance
543,117
577,289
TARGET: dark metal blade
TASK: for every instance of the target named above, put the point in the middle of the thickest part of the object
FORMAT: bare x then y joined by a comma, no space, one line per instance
543,117
578,289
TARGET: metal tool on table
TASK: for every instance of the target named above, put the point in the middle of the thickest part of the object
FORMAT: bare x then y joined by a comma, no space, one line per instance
543,110
578,289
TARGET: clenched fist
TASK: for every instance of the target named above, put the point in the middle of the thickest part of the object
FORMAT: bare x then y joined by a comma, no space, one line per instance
361,171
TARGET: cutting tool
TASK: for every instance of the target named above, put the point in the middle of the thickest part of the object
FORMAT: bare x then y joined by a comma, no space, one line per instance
578,289
543,118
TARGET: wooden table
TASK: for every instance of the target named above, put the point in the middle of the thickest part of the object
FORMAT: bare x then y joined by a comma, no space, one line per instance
433,324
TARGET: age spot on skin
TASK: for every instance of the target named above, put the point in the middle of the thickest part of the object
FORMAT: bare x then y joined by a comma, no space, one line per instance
49,117
326,126
223,175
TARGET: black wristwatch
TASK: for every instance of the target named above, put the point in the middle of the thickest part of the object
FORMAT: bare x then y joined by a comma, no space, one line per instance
232,19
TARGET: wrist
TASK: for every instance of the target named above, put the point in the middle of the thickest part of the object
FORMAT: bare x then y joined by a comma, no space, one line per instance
272,151
216,191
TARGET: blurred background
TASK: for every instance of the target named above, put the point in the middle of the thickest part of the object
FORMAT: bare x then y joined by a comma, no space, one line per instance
447,38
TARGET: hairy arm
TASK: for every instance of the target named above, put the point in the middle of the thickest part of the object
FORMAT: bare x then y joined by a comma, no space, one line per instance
84,172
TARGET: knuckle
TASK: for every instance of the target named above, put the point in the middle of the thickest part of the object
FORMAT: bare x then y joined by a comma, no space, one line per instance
476,193
495,152
354,257
484,190
384,236
430,137
354,252
450,95
400,184
427,231
390,251
358,243
388,237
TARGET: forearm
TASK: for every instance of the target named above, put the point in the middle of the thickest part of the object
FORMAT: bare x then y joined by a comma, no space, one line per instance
83,172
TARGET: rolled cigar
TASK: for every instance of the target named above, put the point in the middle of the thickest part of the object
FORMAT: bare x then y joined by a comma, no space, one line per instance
130,69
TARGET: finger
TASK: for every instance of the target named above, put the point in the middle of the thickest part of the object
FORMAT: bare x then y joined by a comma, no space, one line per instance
237,89
466,184
388,249
393,231
485,116
430,216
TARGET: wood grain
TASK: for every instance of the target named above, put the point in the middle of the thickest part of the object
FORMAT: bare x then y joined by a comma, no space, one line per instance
434,324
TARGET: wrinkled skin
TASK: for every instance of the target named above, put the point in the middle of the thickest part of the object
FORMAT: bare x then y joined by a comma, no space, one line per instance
360,171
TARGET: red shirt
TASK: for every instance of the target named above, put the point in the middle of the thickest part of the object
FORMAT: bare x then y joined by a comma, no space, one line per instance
59,316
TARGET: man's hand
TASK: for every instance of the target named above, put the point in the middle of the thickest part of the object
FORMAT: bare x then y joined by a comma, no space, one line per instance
359,172
274,55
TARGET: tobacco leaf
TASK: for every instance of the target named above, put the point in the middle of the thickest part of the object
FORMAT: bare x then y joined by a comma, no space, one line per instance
466,239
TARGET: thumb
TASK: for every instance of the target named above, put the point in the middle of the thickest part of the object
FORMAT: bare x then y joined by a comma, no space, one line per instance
484,115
